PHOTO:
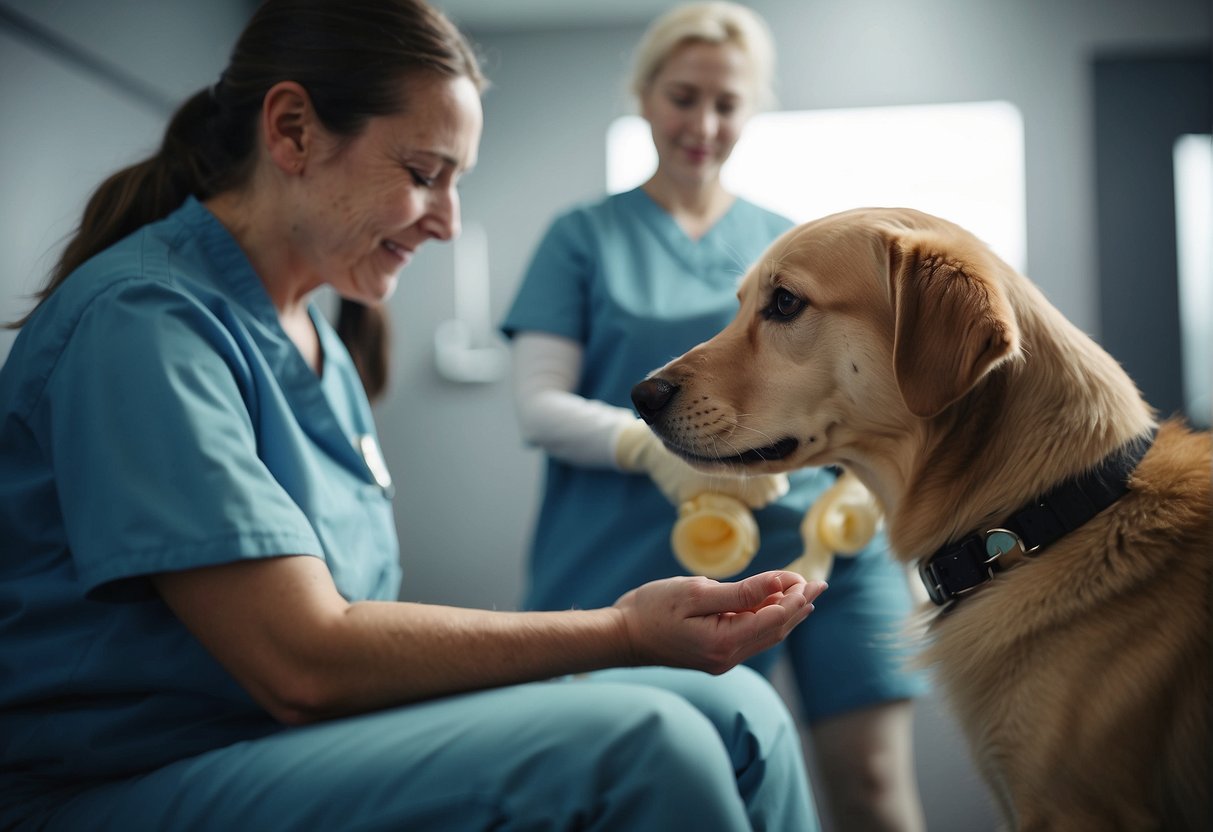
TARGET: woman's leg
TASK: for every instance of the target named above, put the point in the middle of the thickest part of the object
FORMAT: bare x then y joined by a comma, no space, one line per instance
850,663
865,763
759,734
593,755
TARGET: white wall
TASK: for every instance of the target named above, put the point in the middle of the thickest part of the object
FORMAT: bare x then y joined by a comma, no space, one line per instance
63,129
467,488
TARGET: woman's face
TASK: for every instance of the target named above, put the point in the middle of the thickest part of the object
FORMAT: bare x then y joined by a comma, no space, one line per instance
697,105
376,197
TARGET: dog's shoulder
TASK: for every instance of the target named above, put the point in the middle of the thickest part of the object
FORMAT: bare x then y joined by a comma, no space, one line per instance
1172,488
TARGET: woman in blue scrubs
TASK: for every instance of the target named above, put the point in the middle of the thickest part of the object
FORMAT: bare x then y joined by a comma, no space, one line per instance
198,574
618,287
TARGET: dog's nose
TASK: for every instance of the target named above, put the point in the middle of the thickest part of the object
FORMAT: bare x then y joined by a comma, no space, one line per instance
650,396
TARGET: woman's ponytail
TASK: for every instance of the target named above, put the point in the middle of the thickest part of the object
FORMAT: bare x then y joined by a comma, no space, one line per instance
366,334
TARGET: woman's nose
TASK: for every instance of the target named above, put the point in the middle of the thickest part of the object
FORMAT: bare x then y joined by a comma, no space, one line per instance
442,220
706,121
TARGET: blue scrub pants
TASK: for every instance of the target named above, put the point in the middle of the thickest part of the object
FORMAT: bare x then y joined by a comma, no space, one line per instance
625,750
853,654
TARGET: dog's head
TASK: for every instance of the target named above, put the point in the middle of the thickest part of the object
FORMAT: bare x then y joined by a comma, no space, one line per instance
852,330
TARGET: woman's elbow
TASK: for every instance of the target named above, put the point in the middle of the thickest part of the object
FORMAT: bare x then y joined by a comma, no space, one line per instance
298,698
300,689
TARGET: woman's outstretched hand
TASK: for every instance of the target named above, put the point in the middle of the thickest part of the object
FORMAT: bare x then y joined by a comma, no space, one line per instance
707,625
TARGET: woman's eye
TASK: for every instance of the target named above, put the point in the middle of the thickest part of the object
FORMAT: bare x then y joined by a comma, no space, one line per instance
784,305
421,179
682,101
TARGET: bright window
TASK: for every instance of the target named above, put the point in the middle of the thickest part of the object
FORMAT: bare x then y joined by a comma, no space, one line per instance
1193,218
963,162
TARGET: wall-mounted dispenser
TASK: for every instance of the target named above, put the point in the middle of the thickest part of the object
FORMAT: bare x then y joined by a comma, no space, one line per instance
466,349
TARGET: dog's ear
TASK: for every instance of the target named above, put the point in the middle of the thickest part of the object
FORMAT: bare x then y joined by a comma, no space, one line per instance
953,323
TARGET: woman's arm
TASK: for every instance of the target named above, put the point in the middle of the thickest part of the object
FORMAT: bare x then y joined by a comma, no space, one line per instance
304,653
569,427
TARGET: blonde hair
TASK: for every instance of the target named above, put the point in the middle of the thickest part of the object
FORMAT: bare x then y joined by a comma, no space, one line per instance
717,21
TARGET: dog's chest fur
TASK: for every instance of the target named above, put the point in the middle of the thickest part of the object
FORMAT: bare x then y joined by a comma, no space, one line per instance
1098,648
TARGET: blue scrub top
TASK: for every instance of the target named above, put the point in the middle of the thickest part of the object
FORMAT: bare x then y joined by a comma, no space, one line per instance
154,417
621,277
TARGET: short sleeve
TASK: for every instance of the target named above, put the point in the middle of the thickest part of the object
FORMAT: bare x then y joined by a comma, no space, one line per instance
553,297
151,417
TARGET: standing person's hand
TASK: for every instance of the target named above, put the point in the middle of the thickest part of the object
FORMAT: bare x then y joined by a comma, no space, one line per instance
639,450
707,625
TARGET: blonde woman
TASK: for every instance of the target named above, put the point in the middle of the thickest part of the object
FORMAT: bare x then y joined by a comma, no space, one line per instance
616,288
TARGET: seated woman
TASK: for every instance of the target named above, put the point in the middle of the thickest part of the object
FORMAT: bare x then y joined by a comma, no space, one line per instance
198,580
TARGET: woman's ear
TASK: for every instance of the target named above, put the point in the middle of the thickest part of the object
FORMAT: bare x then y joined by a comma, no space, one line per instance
288,125
953,323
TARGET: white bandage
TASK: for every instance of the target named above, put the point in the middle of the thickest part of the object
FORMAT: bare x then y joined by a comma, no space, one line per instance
551,416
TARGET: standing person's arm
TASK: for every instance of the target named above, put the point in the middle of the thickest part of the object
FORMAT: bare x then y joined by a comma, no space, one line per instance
280,627
581,431
551,415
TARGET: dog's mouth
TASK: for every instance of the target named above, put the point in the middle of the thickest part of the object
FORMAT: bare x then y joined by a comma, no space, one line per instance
768,453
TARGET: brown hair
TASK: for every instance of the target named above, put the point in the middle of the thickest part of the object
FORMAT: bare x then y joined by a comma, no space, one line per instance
350,56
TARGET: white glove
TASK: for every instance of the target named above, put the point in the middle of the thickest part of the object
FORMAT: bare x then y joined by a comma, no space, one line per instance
638,449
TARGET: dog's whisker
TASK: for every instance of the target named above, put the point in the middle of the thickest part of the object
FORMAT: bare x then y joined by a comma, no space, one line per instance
734,453
739,426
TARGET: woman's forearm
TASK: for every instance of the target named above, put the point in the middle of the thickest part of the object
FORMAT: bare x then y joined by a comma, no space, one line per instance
388,653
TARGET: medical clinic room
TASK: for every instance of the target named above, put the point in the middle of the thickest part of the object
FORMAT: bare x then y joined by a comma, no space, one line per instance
637,416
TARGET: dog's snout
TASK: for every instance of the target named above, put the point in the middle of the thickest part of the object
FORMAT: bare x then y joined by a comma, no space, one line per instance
651,396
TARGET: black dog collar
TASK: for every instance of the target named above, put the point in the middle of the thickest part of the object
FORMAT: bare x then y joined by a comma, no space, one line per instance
956,569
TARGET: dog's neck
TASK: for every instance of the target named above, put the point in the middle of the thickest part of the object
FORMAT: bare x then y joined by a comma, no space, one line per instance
1053,412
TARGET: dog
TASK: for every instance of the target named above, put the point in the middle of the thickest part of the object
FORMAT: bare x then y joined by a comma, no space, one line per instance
1063,534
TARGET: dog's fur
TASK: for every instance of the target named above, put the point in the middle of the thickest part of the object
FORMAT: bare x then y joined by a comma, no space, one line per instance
947,382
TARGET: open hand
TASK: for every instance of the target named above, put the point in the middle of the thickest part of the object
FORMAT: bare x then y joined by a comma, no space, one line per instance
707,625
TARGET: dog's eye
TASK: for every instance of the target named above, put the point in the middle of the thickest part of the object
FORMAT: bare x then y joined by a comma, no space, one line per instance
784,306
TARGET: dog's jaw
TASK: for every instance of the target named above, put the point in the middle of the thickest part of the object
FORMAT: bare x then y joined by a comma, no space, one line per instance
773,453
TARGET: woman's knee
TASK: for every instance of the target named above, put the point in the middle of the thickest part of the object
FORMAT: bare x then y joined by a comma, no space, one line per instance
662,733
745,708
645,758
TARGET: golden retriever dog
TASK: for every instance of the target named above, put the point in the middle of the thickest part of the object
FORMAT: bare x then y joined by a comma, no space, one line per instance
1064,535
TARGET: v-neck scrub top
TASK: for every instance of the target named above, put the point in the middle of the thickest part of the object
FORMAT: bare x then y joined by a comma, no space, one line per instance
154,418
620,277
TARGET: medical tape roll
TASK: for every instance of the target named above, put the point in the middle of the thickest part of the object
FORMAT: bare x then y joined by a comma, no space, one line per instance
842,521
715,535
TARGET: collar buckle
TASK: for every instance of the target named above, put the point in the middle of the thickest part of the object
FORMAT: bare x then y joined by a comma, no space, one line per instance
973,562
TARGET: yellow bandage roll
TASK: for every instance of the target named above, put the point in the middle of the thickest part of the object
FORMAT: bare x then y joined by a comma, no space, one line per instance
715,535
841,522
